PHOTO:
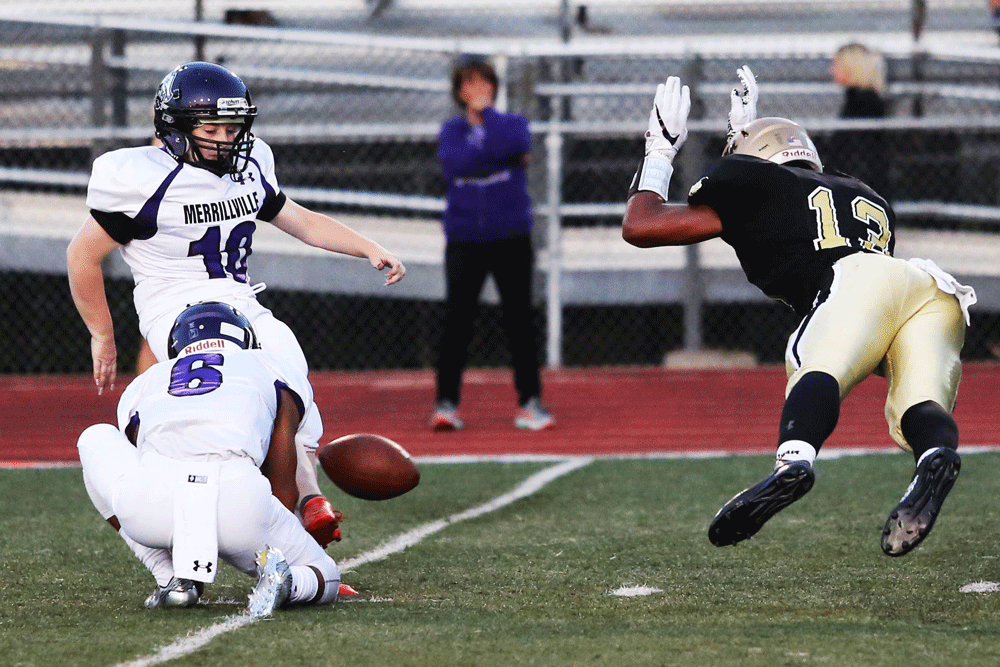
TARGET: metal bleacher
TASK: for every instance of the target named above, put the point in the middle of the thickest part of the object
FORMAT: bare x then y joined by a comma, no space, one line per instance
580,264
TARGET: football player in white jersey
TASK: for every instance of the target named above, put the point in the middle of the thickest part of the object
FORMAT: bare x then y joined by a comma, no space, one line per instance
183,217
202,466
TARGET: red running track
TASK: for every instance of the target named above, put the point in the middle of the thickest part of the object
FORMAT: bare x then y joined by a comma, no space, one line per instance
598,411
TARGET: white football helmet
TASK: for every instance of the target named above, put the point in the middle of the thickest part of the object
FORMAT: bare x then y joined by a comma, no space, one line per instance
777,140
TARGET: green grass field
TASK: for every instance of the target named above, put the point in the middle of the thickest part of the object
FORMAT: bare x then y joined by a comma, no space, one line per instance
530,583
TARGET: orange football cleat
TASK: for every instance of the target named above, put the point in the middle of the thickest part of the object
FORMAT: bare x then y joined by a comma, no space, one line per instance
346,589
321,520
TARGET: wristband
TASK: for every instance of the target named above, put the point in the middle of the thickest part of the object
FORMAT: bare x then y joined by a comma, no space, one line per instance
653,175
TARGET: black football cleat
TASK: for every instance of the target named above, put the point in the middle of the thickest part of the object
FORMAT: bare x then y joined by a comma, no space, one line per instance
914,516
749,510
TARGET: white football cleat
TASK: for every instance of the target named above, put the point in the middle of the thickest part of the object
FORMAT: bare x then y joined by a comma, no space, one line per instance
274,583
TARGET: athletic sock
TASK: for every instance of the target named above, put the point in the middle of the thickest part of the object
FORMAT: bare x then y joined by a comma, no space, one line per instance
157,561
304,583
794,450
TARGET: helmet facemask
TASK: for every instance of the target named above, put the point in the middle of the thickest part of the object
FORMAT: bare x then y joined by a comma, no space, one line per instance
231,157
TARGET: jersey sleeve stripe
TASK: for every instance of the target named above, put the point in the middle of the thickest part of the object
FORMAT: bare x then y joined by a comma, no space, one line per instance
272,206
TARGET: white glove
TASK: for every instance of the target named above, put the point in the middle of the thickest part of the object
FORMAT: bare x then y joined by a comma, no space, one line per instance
667,129
666,133
744,103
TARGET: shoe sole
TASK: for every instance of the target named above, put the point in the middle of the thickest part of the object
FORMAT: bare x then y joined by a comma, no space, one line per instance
911,521
749,510
263,598
444,427
531,427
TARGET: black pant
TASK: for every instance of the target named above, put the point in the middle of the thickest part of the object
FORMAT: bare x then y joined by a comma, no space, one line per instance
466,265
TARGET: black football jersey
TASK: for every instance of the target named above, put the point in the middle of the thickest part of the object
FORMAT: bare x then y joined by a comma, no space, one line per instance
788,225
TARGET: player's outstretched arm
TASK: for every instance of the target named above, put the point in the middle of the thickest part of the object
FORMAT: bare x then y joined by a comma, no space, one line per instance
144,358
86,283
324,232
649,221
666,133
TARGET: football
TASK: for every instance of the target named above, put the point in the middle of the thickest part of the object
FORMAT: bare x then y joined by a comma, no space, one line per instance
368,466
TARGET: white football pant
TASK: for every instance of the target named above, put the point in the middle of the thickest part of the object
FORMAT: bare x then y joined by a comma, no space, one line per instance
140,489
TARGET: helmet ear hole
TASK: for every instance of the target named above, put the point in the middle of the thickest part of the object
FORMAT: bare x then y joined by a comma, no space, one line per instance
175,142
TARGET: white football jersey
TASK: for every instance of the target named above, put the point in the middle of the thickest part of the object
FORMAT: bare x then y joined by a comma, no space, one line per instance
186,233
209,406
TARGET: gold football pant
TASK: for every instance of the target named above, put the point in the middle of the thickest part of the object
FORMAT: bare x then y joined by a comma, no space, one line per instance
883,315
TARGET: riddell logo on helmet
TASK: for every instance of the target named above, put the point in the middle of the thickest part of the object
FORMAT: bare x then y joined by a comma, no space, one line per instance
232,103
798,153
205,346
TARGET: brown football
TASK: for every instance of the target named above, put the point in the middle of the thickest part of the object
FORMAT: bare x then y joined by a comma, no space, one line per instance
368,466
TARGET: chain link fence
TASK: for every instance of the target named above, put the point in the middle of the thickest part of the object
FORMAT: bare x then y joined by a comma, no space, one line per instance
353,117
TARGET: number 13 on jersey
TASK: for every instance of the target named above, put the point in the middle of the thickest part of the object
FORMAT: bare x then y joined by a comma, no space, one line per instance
829,234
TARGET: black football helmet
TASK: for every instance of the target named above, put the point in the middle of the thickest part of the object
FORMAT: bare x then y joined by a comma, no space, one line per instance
210,320
196,94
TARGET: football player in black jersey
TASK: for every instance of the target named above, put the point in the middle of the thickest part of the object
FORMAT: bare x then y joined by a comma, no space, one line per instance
822,243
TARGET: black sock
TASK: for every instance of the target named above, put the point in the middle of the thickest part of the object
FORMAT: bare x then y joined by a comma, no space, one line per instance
811,410
928,425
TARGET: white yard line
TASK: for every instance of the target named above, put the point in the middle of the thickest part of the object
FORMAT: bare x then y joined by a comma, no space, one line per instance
191,643
411,537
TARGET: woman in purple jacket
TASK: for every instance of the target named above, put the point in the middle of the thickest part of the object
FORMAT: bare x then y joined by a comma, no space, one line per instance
487,225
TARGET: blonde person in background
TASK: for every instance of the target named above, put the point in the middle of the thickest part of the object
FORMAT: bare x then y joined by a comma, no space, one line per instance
861,72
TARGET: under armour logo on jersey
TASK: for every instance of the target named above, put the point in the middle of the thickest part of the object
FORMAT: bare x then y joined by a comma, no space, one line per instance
207,567
197,479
